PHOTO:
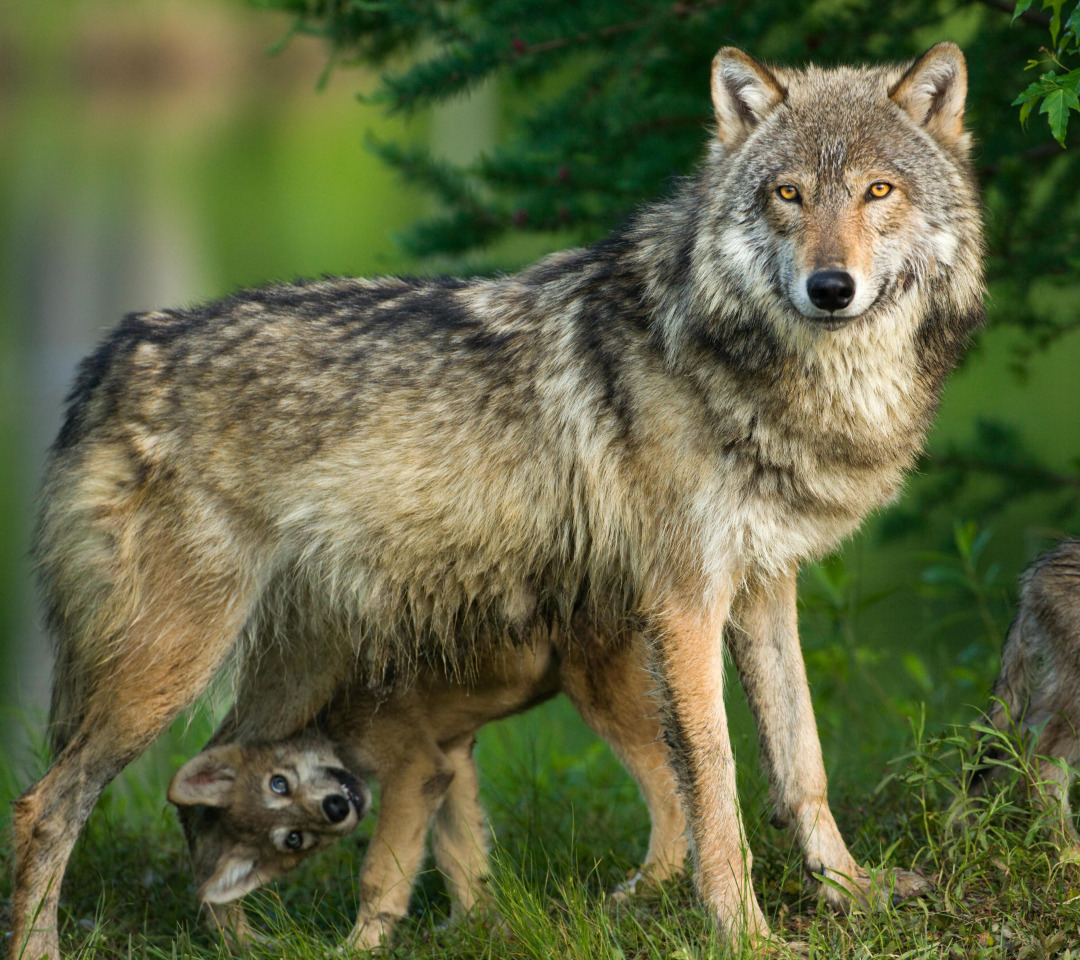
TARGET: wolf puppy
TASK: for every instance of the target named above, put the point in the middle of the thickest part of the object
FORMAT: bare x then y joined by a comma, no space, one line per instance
654,432
261,809
1037,693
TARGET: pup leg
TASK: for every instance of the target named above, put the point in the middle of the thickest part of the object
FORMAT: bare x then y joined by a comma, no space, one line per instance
165,657
688,660
612,689
460,837
763,637
414,776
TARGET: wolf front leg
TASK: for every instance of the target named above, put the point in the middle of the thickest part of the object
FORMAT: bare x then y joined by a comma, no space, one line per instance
608,681
764,640
414,775
460,837
688,659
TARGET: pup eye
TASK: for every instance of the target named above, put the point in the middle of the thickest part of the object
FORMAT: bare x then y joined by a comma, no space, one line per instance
279,784
295,840
878,190
787,192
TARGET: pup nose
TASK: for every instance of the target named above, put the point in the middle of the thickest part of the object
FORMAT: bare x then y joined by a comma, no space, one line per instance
336,807
830,289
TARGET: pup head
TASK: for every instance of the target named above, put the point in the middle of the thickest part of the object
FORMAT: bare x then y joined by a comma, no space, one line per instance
258,810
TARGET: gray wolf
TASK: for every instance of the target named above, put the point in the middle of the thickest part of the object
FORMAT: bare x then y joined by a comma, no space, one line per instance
1037,692
261,809
652,432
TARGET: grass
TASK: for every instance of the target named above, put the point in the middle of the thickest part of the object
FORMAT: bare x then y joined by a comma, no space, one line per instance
569,826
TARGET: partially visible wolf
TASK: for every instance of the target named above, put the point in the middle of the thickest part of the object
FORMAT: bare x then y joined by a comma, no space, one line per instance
1037,692
263,808
652,432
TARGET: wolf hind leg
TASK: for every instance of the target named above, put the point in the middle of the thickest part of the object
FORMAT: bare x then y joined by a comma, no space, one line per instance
168,652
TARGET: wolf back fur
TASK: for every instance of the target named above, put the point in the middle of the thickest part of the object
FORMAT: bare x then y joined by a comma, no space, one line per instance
653,432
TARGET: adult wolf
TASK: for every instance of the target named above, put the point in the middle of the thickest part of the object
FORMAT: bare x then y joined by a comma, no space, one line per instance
652,432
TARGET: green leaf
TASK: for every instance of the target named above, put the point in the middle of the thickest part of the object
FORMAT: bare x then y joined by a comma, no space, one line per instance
1056,106
1021,7
1055,18
1072,27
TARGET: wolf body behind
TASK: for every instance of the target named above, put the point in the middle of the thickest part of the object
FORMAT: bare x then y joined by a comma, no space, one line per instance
653,432
418,743
1037,692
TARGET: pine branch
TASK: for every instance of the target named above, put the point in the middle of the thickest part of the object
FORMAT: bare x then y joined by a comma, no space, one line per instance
678,11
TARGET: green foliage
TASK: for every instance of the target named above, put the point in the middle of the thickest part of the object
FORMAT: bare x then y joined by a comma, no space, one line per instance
1055,92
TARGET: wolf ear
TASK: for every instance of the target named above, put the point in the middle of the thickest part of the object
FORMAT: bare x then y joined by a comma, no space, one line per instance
744,92
236,875
207,778
933,92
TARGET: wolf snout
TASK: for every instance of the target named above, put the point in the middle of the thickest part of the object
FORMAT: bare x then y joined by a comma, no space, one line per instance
830,289
356,796
336,807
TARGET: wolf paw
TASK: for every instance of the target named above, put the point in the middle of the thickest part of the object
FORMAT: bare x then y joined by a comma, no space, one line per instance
638,881
872,891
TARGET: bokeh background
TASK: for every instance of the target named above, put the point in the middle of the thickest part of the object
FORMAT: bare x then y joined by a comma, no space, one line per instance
158,152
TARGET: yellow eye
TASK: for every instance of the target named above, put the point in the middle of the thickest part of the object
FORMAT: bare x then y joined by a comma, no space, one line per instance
787,192
879,189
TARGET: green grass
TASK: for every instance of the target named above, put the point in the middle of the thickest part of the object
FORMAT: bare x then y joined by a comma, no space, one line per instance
569,827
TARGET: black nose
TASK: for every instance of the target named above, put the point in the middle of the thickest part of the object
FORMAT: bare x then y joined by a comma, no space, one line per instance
336,807
830,289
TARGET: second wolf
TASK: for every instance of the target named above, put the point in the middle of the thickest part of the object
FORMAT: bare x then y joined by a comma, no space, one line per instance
652,432
1037,693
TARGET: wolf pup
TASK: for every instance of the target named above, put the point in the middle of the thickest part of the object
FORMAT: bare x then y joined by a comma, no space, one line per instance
257,819
1037,692
653,431
296,798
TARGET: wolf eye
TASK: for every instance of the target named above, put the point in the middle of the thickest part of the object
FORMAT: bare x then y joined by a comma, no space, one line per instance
279,784
295,840
878,190
787,192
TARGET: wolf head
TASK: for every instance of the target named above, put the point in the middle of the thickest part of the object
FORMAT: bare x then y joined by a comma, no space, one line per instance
259,810
844,189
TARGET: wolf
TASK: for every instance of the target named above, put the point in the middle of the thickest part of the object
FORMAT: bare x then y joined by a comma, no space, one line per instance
652,432
1037,692
254,811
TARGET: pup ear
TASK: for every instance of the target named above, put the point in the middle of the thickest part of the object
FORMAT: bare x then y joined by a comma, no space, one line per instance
207,778
744,92
932,91
236,874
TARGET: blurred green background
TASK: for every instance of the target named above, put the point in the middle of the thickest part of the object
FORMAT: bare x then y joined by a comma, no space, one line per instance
154,153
